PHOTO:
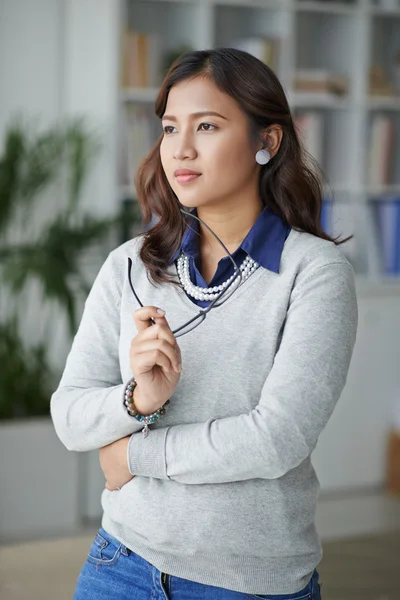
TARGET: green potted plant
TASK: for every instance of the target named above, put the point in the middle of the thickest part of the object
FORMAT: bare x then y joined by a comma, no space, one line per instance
45,237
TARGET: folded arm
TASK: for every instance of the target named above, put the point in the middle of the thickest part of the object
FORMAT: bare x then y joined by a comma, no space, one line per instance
298,397
87,408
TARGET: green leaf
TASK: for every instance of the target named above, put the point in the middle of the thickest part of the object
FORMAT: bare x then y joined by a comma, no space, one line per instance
53,254
26,382
11,163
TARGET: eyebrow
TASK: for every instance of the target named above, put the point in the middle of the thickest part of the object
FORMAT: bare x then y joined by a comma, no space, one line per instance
196,115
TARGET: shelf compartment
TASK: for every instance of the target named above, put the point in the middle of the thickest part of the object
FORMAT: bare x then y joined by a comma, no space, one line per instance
237,22
385,220
377,8
322,132
139,129
383,102
318,100
384,60
153,34
338,8
339,219
382,160
317,41
380,191
247,27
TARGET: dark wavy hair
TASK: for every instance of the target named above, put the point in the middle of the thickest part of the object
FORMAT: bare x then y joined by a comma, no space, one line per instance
291,184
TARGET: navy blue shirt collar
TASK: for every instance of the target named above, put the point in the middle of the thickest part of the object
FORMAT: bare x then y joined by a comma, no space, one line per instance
263,243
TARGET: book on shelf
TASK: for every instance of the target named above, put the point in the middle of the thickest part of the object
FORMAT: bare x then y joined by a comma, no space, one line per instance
386,220
326,216
320,81
265,49
379,82
381,150
139,131
309,126
141,59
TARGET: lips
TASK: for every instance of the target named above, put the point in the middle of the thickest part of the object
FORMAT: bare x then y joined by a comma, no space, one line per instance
185,175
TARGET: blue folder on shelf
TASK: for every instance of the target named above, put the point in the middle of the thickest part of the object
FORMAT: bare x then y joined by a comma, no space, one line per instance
326,216
386,214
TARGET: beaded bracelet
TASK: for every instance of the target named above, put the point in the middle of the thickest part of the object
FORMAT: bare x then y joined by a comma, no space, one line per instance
133,412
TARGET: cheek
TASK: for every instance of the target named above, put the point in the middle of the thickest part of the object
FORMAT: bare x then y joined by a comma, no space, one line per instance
165,162
233,162
163,156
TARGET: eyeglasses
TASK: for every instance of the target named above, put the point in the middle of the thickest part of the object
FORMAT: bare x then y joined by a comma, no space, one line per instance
218,300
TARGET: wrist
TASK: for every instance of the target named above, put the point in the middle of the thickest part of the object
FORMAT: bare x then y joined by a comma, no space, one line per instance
140,403
146,417
142,406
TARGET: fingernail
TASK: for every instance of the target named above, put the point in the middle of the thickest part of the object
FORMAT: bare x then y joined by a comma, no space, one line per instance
160,311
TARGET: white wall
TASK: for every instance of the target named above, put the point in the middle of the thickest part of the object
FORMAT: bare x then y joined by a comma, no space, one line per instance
59,58
31,58
91,85
40,494
31,74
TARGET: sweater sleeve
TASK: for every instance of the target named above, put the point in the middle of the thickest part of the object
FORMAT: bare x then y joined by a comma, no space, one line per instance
87,408
297,399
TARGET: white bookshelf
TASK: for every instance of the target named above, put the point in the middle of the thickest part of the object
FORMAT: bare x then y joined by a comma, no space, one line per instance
360,421
346,38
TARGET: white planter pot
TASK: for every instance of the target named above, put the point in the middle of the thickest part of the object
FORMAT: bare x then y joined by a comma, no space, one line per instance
39,481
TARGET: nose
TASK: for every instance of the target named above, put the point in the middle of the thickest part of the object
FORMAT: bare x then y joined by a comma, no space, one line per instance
184,148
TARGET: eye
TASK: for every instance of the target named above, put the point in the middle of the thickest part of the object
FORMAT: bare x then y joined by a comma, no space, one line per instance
207,127
168,129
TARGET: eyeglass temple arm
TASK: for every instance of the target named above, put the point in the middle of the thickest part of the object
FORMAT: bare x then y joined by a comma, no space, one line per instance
215,236
200,314
238,272
133,289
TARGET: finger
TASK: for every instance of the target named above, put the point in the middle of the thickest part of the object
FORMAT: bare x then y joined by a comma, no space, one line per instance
177,350
148,360
162,346
155,332
143,317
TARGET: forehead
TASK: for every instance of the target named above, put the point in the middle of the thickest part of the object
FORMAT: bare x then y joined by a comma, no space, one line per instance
200,94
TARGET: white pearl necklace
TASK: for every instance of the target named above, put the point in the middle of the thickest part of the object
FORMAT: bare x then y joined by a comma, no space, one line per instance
247,267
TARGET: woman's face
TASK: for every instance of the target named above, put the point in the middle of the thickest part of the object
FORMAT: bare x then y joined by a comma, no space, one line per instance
206,152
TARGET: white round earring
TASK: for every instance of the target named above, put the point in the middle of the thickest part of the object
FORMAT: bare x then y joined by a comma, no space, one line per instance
263,157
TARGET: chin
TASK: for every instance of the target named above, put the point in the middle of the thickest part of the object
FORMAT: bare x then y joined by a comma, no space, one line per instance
189,205
194,202
189,202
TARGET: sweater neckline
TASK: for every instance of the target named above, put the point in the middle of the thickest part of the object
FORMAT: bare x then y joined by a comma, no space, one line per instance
181,294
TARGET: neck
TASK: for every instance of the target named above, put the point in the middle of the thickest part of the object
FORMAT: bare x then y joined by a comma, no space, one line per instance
231,226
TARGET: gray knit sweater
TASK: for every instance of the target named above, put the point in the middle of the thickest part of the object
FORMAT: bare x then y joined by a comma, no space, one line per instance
225,492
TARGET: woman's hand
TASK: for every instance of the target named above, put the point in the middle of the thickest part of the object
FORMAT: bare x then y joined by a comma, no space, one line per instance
155,360
114,464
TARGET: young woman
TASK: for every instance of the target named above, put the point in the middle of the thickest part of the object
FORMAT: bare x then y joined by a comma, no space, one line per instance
232,335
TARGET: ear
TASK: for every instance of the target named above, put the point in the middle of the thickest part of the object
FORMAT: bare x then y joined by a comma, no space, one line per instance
272,138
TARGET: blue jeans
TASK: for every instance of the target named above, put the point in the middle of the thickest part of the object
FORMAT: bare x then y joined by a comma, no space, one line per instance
112,571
